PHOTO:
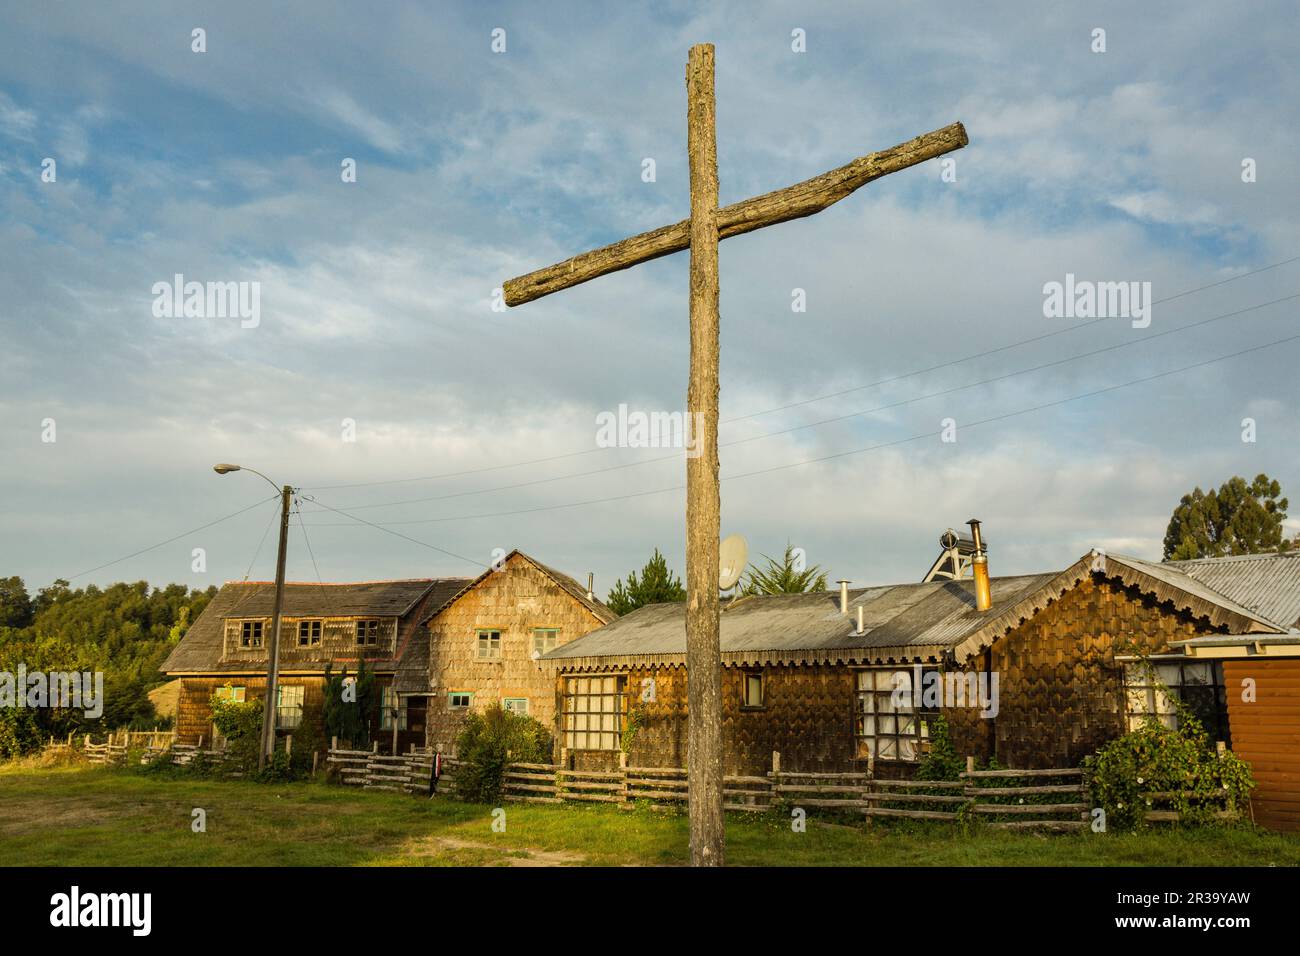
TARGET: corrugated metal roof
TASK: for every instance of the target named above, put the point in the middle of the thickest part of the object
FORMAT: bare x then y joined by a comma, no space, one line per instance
1268,584
905,618
909,620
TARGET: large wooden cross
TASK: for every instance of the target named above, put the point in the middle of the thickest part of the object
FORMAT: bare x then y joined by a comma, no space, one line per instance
709,224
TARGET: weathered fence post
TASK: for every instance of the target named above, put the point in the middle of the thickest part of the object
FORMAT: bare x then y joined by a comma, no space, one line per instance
970,764
622,769
288,745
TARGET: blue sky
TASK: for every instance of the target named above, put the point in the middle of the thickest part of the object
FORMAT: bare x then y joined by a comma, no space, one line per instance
475,166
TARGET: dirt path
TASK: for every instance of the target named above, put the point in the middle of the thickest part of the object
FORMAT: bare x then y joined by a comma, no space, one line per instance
511,856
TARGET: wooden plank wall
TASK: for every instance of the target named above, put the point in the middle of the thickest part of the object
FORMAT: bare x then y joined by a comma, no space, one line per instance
1266,732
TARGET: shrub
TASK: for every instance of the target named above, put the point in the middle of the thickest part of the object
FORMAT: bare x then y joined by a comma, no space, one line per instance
1156,758
491,741
240,722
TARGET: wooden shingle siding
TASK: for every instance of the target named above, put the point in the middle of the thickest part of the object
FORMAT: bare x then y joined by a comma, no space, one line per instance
1266,732
514,600
194,708
1060,695
338,641
1061,691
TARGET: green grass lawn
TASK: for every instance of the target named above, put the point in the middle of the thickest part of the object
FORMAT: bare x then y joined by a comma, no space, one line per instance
96,817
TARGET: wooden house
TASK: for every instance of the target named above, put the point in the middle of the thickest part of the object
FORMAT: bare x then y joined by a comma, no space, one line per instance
225,650
482,645
831,680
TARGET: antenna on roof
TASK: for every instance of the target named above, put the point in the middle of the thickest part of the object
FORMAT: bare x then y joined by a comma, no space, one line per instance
733,552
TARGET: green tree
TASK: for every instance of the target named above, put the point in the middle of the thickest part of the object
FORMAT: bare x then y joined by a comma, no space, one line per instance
657,585
15,604
784,576
1238,518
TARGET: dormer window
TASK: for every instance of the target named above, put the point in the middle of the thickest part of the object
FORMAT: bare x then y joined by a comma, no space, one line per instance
367,633
251,634
309,633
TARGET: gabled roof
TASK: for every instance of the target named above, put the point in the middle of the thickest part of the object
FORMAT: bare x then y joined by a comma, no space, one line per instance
900,622
561,580
200,649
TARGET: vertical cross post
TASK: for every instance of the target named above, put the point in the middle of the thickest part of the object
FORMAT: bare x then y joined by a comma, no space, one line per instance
703,500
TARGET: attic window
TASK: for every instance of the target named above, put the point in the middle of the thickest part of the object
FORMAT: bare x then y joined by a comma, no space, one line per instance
251,634
545,639
367,633
309,633
489,645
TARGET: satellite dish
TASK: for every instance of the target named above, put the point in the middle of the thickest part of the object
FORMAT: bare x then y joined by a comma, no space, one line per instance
732,554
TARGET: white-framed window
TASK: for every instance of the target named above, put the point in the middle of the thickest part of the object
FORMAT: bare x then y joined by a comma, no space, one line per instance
459,699
228,692
889,725
367,633
288,706
489,645
250,634
392,702
593,712
309,633
545,639
752,690
515,705
1198,684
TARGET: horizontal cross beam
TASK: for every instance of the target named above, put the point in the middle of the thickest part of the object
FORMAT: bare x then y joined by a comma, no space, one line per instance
793,202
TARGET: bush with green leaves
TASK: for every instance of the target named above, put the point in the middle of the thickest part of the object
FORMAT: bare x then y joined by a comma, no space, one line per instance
240,722
1159,759
489,743
349,720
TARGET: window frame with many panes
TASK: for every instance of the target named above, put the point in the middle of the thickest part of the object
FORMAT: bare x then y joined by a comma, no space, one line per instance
492,636
309,633
544,640
606,704
289,713
1144,692
389,701
367,633
252,634
878,724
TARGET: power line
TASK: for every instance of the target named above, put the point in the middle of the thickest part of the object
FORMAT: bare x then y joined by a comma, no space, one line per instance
379,527
810,461
808,401
154,547
676,456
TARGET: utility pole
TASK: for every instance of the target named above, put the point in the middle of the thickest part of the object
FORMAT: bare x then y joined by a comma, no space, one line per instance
266,747
273,652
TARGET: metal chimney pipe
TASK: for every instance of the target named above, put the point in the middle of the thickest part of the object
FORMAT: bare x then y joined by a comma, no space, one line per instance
861,625
844,596
591,584
980,569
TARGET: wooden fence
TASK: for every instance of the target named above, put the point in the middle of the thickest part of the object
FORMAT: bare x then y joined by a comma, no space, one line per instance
1007,799
409,772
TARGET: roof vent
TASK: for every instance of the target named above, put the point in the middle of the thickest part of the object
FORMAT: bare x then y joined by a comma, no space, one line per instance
844,596
591,584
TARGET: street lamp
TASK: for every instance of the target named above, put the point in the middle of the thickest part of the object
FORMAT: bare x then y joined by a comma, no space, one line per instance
267,747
